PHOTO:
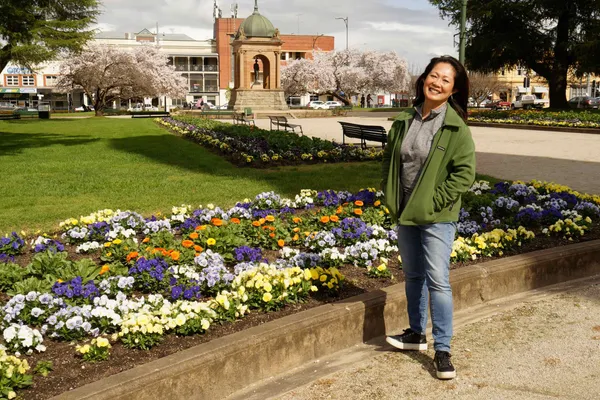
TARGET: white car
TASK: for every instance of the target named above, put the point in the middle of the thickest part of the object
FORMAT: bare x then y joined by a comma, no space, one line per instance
315,104
329,105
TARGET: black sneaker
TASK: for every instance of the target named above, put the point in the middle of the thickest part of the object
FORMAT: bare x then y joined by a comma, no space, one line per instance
443,366
409,340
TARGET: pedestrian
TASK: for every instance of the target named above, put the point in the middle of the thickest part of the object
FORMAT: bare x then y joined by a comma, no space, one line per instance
362,101
428,164
369,100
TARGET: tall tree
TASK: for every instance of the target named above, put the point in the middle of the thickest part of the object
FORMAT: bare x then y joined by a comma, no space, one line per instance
550,37
107,73
34,31
482,86
344,74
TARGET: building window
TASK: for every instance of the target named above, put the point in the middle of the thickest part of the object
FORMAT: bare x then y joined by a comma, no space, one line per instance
51,80
12,80
28,80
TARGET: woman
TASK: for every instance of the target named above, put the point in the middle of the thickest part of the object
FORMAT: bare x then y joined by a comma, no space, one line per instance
428,163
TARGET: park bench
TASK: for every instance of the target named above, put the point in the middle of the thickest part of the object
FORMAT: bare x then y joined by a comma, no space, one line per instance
149,114
280,121
28,114
365,133
240,118
6,116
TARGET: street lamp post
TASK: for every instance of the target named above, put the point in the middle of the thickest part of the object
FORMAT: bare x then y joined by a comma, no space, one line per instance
463,27
345,19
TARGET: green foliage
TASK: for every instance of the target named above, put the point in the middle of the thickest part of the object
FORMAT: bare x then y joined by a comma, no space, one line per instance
85,268
35,31
10,274
31,284
43,368
48,263
571,118
550,37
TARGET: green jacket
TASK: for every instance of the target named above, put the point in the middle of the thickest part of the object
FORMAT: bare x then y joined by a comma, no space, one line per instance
449,171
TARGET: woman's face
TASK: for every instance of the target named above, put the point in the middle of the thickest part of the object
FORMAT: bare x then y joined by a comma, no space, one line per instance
439,84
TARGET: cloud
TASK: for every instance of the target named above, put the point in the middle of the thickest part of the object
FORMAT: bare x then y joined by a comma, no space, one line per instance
412,28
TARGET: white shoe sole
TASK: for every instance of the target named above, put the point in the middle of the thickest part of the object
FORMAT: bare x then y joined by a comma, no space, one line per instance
445,374
405,346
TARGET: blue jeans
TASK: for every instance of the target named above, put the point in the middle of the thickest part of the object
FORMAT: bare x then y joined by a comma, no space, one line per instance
425,252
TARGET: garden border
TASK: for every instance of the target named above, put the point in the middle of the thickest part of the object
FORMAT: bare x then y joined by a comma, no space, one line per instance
535,127
225,365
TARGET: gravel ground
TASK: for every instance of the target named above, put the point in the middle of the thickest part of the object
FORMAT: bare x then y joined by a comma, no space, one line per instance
539,346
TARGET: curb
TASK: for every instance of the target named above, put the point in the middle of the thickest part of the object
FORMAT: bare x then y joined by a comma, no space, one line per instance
225,365
536,127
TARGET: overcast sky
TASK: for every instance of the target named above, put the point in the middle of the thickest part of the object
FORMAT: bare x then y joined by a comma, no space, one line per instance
412,28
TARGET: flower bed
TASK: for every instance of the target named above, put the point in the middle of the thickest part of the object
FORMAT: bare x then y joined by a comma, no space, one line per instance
571,119
115,279
251,146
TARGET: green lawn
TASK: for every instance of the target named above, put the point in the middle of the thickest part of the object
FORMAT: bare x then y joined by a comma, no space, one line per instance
57,169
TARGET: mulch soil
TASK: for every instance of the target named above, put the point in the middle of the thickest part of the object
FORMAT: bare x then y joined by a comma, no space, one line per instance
70,371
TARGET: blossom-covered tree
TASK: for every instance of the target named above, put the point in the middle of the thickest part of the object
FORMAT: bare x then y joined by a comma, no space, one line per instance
344,74
107,73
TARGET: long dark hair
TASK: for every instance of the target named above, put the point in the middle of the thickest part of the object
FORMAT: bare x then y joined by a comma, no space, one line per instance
460,98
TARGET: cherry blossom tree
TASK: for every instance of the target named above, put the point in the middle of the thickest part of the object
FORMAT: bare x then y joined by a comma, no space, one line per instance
344,74
107,73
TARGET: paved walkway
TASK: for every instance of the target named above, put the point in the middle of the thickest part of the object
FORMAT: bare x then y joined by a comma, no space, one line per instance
572,159
542,344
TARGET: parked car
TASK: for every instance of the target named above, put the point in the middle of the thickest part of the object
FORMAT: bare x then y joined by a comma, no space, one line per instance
224,106
500,105
584,102
527,101
329,104
84,108
315,103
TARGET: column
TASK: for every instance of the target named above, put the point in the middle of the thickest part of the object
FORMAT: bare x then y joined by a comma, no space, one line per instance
242,70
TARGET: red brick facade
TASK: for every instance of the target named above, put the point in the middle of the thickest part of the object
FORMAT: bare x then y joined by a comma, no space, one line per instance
294,45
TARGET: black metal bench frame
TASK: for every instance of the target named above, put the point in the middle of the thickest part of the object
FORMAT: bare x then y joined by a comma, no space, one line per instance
10,116
280,121
241,118
373,133
152,114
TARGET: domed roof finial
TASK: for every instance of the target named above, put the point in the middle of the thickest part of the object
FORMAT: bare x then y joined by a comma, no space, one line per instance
255,6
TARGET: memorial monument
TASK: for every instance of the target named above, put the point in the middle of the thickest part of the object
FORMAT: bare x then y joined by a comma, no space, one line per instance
257,81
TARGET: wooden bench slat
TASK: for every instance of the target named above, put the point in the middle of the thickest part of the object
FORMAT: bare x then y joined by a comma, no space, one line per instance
372,133
280,121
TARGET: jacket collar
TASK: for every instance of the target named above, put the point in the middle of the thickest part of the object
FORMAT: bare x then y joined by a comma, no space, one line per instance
452,117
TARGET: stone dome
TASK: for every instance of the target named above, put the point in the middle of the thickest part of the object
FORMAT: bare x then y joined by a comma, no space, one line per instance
256,25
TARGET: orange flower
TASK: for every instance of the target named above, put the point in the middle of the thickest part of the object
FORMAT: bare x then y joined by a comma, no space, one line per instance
175,255
297,220
131,256
235,220
198,248
334,218
187,243
262,221
197,254
359,203
271,228
200,227
146,240
325,219
377,203
104,269
270,218
256,223
271,235
345,204
193,235
296,229
165,252
296,237
280,242
216,222
339,210
357,211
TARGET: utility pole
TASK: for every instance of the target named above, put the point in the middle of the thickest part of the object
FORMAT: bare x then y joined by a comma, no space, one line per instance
463,28
298,15
345,19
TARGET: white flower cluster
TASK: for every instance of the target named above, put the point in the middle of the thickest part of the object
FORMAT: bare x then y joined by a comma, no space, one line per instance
362,254
157,226
23,338
118,231
88,247
480,187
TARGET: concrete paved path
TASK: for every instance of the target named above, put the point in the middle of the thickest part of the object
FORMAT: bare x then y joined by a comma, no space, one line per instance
571,159
543,344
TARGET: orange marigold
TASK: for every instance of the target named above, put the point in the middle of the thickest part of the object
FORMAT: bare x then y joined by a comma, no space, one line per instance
357,211
359,203
280,243
270,218
339,210
296,229
271,235
146,240
198,248
132,255
187,243
235,220
175,255
193,235
262,221
216,222
200,227
325,219
334,218
296,220
104,270
296,237
377,203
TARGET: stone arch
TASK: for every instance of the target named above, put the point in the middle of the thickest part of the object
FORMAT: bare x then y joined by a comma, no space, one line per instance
265,69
